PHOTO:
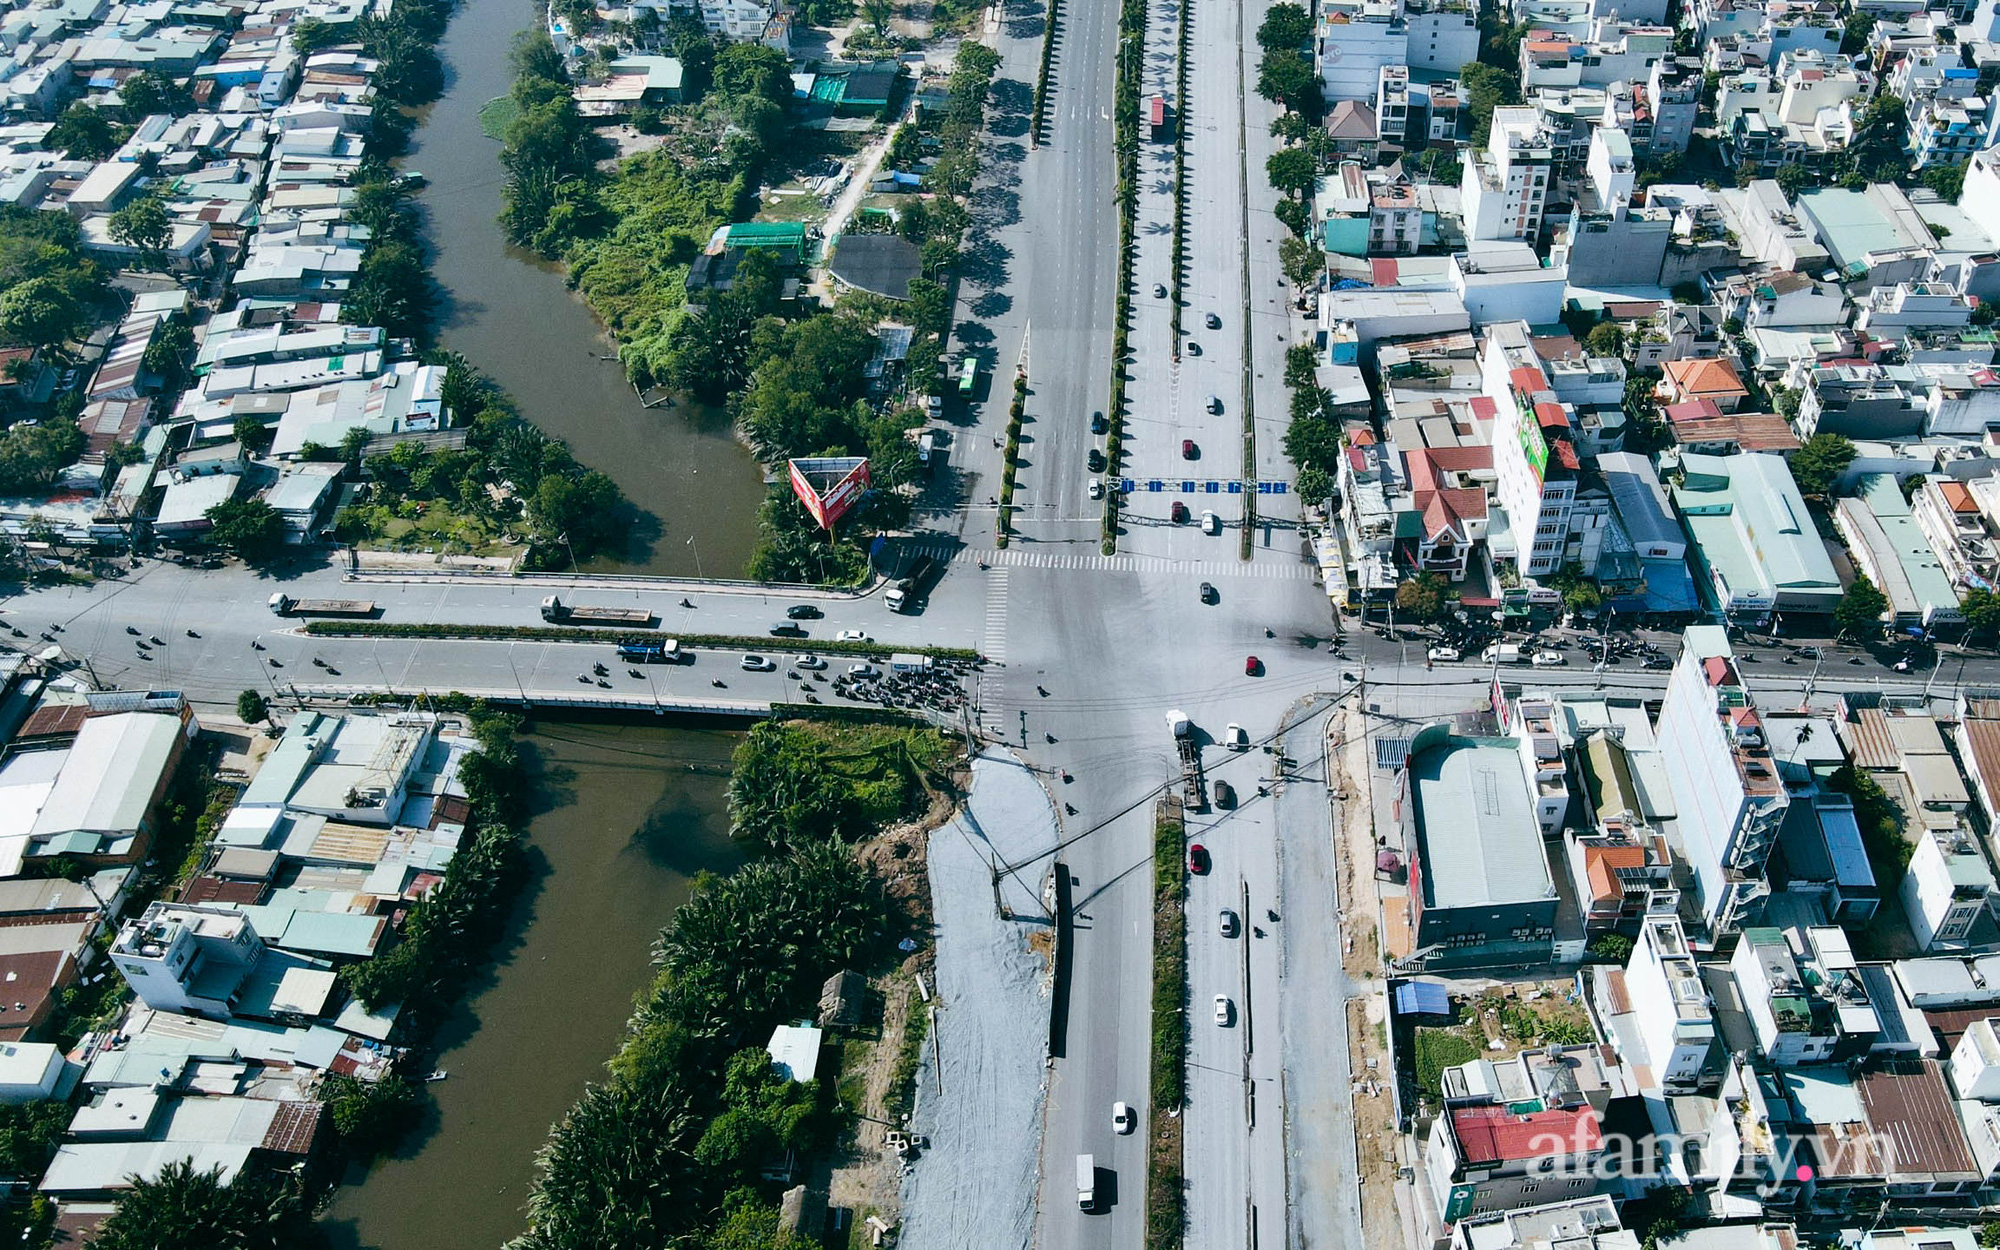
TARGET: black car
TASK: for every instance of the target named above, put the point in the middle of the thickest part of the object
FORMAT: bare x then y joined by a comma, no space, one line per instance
804,612
788,629
1658,662
1096,460
1098,424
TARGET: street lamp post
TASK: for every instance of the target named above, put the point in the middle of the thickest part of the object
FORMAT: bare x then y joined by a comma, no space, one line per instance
697,558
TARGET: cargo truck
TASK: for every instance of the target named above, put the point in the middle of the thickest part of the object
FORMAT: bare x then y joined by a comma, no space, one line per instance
909,588
554,609
284,605
1505,653
1086,1181
665,651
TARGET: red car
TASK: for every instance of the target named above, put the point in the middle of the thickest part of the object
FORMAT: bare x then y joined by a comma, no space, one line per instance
1187,449
1180,513
1198,859
1252,666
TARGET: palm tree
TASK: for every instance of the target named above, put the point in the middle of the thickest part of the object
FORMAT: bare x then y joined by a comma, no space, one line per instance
182,1209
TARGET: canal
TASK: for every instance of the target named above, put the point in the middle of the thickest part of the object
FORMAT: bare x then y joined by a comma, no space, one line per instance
625,817
512,315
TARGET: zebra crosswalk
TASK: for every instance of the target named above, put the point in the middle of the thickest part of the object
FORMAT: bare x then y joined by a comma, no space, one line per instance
994,647
1020,557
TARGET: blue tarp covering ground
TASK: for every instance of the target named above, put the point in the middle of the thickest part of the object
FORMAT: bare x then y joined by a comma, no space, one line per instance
1669,587
1422,998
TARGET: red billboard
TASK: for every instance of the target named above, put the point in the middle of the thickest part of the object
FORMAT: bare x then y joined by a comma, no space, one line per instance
829,485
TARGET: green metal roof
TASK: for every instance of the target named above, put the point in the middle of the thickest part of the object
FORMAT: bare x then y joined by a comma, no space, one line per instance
767,234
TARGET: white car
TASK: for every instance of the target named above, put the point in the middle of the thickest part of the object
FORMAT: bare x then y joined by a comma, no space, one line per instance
1446,654
1210,523
1122,1119
1225,1011
863,670
758,664
851,635
810,663
1096,488
1234,738
1549,659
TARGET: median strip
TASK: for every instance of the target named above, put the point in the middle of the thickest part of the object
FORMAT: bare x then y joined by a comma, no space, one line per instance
1036,122
575,633
1016,413
1165,1211
1125,126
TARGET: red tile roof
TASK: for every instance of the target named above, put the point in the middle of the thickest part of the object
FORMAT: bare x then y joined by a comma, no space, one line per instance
1696,378
1528,380
1382,272
1484,408
1601,865
1493,1135
1551,416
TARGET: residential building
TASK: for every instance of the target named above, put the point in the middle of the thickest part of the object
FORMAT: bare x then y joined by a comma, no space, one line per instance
1504,189
1575,1224
1449,490
1860,402
1673,91
1715,380
1533,460
1678,1048
192,960
1726,788
1949,893
1959,521
1443,34
1355,39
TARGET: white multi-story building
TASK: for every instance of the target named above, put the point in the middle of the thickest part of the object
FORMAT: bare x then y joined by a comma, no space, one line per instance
1673,1023
188,959
1533,460
1725,784
1947,889
1960,520
1949,120
1356,38
1616,51
1443,34
1505,188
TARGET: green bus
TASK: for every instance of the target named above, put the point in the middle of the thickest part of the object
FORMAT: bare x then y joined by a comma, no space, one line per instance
968,375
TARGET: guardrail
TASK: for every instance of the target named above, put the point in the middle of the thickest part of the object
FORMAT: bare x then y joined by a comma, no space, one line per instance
640,581
737,708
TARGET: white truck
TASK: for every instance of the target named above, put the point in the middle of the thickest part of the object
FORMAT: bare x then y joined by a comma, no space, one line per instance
1086,1181
1504,653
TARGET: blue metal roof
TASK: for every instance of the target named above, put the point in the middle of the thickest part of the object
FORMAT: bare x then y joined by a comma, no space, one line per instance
1422,998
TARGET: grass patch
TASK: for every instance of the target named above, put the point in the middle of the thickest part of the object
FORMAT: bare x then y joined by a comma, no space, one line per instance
1165,1218
901,1095
496,115
1438,1049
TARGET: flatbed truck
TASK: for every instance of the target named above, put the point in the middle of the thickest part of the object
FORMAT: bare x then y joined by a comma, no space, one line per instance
554,609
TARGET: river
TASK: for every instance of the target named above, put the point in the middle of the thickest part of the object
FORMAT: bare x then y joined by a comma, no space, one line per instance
625,816
511,315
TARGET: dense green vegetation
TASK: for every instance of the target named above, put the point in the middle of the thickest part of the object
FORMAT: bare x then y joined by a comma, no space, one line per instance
1820,462
182,1209
669,1146
249,529
562,510
32,455
795,389
393,287
455,923
797,783
52,290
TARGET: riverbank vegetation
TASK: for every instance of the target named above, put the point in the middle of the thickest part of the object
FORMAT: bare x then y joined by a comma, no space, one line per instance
672,1148
791,376
510,482
799,782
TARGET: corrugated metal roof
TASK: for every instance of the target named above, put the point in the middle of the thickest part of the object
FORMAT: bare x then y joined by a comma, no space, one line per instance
1867,740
